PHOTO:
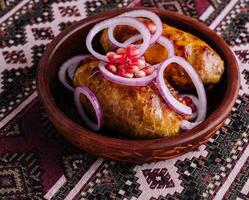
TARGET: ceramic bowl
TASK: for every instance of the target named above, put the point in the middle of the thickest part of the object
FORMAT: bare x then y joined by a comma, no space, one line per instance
58,103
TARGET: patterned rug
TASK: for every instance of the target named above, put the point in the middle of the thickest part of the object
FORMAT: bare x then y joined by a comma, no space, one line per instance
37,163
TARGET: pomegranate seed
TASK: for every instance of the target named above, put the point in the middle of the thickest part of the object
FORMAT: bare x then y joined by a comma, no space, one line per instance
131,51
109,56
149,70
124,73
116,56
188,101
152,28
119,58
129,75
122,66
132,68
130,47
135,52
128,52
112,68
141,63
121,51
140,74
132,61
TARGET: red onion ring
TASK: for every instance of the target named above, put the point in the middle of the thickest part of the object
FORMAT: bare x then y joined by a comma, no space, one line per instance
169,98
74,64
114,22
71,64
95,103
187,125
139,13
165,42
132,39
126,81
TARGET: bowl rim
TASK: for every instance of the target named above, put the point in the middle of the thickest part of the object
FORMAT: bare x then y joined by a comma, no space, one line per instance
200,131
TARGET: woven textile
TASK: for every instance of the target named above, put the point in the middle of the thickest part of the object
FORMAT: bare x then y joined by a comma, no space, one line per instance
38,163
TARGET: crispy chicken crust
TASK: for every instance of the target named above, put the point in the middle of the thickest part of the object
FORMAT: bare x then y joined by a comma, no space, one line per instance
136,112
199,54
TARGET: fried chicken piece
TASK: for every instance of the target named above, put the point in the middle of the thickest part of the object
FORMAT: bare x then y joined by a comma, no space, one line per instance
136,112
199,54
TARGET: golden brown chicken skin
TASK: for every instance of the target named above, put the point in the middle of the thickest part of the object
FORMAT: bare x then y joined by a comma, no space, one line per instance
137,112
200,55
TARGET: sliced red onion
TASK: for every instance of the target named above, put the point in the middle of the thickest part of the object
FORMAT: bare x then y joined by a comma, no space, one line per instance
75,61
114,22
165,42
138,13
126,81
132,39
187,125
169,98
195,102
95,103
71,65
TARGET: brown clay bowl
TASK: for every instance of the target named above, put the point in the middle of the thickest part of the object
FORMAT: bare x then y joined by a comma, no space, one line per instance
59,106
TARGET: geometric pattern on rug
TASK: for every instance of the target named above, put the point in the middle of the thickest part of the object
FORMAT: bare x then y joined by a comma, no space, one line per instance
111,180
20,176
23,42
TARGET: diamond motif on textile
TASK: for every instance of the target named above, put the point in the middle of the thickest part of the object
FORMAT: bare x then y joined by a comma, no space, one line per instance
11,129
11,181
20,176
158,178
73,163
69,11
14,57
43,33
243,55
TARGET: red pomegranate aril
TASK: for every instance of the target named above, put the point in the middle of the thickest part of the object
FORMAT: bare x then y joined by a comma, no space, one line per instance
127,64
122,66
188,101
132,68
122,72
112,68
141,63
121,51
132,61
109,56
119,58
140,74
149,70
135,52
152,28
131,51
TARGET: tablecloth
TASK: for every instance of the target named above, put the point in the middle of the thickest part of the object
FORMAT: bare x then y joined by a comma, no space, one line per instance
36,162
